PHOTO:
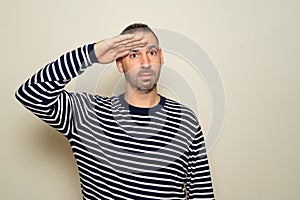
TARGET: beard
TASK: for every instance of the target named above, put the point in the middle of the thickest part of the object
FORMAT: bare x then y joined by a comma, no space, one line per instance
145,80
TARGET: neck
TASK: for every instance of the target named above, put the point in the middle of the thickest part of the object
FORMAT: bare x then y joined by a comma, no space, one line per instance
142,99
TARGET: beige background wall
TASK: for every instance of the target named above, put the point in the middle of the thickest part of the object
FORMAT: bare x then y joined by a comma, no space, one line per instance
254,44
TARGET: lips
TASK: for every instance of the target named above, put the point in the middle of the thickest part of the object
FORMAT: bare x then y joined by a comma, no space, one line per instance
146,76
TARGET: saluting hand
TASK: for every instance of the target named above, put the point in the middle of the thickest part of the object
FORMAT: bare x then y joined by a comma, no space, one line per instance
111,49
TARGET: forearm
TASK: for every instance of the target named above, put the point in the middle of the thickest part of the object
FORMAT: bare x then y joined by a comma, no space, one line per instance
44,87
44,95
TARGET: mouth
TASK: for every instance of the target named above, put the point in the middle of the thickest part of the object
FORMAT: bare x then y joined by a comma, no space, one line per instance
146,76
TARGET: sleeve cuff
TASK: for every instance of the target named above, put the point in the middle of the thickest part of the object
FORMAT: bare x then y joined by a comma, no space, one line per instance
92,54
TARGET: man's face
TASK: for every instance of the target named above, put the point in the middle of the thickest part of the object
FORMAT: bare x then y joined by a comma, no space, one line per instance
142,65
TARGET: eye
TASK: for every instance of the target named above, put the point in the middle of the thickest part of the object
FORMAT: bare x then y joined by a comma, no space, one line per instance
153,52
133,55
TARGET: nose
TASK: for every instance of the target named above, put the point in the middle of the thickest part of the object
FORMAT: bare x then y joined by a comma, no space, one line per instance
145,61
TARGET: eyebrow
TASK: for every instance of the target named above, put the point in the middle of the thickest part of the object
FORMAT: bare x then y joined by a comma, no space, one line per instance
148,47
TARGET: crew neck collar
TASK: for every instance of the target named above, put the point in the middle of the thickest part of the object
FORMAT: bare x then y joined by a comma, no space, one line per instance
141,110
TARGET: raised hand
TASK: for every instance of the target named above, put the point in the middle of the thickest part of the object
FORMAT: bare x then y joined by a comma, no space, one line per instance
111,49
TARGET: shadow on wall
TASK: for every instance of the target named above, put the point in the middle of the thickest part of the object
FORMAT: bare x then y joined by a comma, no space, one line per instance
46,149
39,162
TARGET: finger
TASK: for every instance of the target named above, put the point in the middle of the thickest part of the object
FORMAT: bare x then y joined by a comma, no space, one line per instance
130,46
119,41
122,38
122,54
123,48
137,44
130,43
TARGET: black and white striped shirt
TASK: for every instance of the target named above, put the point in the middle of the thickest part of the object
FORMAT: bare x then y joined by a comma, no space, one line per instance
122,151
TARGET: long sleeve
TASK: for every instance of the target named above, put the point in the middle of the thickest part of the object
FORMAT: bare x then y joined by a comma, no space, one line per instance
44,94
199,183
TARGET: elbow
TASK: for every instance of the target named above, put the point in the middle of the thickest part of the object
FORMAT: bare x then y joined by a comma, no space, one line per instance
23,95
19,96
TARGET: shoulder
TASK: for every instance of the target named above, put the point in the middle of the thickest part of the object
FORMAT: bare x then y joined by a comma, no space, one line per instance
175,106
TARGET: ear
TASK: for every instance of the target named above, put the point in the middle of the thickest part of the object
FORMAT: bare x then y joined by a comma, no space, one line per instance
120,65
161,56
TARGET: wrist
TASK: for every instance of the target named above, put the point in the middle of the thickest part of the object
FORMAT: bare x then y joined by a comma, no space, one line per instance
92,53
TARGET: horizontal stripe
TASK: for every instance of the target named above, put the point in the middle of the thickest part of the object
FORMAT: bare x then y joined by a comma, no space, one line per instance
122,152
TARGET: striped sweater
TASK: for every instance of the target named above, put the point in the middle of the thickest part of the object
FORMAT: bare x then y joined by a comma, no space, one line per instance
122,151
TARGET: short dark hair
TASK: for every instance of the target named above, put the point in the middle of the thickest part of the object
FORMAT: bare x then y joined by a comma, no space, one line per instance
138,27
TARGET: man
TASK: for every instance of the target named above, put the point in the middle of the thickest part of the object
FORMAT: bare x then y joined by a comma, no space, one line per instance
136,145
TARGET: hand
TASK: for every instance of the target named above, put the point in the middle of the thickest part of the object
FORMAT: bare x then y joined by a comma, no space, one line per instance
111,49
